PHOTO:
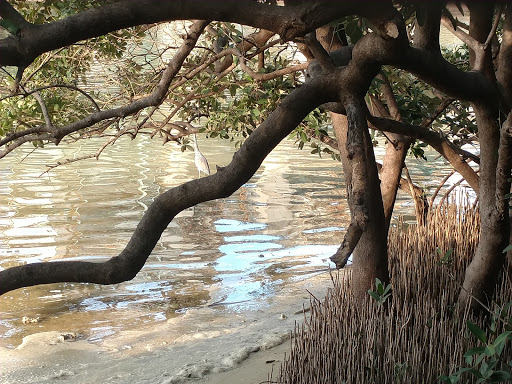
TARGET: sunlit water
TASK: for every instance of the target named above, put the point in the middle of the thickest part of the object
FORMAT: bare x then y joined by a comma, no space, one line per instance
279,227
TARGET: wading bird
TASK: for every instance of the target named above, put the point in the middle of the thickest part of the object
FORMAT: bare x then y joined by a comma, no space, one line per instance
200,160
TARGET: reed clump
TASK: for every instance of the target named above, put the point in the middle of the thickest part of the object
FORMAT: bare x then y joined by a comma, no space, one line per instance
419,335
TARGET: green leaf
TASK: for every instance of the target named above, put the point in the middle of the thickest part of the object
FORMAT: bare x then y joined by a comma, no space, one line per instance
507,248
490,350
474,351
374,295
499,343
477,331
10,26
232,90
498,376
353,31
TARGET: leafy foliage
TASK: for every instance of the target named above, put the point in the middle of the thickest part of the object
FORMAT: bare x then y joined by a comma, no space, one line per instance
229,105
382,292
487,362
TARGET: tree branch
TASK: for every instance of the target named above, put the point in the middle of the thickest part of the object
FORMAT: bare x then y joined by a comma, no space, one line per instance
504,71
504,167
153,99
287,21
294,108
44,110
359,183
435,140
7,12
426,34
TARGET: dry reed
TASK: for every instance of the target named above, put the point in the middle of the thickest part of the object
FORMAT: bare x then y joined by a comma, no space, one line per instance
418,336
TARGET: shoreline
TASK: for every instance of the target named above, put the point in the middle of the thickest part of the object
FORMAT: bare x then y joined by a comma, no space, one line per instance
255,369
214,345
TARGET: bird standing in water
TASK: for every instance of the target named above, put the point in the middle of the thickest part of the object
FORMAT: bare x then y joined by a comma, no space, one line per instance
200,160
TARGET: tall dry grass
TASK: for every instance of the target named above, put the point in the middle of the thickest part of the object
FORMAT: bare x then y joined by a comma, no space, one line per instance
418,336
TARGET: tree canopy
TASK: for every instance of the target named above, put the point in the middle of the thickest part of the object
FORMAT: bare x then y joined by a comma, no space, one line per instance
333,74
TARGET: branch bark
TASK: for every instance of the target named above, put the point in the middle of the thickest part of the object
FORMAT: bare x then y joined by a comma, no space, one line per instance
288,22
153,99
439,143
504,72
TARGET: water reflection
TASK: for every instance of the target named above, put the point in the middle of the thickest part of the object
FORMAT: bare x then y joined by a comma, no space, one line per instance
234,252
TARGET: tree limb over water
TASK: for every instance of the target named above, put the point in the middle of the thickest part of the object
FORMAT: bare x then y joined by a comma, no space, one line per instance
166,206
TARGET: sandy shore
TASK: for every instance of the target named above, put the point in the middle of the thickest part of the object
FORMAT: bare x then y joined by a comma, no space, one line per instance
89,367
254,370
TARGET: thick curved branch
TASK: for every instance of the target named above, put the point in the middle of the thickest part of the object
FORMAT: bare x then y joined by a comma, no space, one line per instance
288,22
426,32
294,108
429,66
356,118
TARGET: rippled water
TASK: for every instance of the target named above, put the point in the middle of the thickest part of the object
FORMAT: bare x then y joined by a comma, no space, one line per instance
280,226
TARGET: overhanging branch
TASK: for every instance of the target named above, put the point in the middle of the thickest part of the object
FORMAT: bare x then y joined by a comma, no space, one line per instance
153,99
294,108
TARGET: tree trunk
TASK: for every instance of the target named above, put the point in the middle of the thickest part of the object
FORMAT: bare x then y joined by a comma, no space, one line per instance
370,258
495,164
481,275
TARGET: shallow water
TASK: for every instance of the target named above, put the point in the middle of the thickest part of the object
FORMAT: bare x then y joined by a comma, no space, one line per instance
233,253
279,227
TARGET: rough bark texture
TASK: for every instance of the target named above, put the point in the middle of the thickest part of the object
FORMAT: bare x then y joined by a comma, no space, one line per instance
366,237
504,72
396,150
482,273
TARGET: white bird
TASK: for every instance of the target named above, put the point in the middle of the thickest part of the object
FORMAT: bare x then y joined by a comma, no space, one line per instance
200,160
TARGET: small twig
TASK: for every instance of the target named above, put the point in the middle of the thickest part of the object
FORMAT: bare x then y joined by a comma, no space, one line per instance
419,216
434,195
17,79
44,110
487,43
450,190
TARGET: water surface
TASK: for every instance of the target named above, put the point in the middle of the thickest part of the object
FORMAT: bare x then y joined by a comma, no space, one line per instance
280,226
